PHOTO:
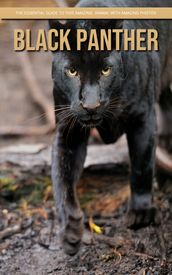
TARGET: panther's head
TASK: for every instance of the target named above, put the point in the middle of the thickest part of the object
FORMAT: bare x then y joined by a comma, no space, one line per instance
87,83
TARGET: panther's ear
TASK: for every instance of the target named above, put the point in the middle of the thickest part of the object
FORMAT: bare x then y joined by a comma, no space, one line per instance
57,24
108,24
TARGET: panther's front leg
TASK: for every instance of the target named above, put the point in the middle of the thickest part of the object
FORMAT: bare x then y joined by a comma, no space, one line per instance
67,163
141,141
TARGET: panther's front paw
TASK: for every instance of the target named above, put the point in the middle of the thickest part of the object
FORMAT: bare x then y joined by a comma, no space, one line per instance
141,212
140,218
72,233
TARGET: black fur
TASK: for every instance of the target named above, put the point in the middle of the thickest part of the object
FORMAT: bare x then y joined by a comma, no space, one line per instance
123,102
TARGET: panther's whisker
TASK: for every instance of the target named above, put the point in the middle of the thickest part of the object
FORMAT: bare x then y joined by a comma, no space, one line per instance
110,112
105,114
43,115
59,105
64,112
62,108
69,129
65,117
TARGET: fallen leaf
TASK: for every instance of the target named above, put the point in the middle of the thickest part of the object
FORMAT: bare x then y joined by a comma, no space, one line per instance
47,192
94,228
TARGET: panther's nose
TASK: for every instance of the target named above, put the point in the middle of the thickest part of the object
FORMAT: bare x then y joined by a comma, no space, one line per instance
90,108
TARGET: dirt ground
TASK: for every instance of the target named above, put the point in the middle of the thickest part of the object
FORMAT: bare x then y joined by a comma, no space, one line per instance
36,248
26,206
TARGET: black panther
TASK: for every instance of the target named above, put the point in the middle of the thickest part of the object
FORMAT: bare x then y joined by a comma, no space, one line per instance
116,92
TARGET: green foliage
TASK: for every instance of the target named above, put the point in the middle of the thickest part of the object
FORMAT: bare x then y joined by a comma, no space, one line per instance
32,190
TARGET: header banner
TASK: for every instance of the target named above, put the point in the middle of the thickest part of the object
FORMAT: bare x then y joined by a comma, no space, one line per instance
85,13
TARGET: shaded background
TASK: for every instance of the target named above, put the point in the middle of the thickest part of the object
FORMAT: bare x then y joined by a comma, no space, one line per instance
25,81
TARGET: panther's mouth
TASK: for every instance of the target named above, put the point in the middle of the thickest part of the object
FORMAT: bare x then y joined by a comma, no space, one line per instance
91,122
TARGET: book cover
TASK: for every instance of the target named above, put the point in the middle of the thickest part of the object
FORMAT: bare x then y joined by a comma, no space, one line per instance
85,137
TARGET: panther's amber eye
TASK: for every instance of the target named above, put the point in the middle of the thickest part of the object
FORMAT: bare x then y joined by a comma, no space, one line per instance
72,72
106,71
